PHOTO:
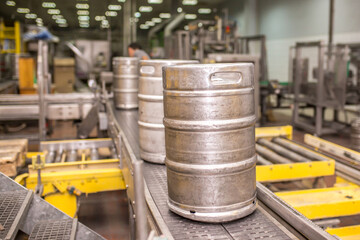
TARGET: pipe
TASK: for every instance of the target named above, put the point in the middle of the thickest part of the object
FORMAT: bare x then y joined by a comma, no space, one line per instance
157,28
273,157
173,24
282,151
262,161
292,146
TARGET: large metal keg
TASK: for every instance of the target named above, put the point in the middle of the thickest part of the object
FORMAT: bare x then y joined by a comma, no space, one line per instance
151,111
355,134
209,120
126,82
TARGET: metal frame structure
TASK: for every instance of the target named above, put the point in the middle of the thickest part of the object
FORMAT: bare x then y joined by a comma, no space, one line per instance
327,92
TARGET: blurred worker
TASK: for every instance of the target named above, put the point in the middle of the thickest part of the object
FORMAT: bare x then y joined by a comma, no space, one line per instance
135,50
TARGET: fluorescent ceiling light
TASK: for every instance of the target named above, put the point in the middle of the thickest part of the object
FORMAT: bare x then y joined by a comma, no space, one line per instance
186,27
189,2
10,3
104,22
82,12
137,14
48,5
144,26
100,18
150,23
165,15
145,8
204,10
61,21
84,22
82,6
23,10
156,20
114,7
121,1
39,20
190,16
84,25
30,16
40,24
53,11
179,10
63,25
83,18
111,13
57,16
155,1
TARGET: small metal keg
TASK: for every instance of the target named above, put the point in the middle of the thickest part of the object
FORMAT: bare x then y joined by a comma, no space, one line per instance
209,118
126,77
151,111
355,134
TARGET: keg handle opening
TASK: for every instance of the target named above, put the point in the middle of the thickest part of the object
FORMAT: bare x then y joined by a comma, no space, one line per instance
225,78
147,70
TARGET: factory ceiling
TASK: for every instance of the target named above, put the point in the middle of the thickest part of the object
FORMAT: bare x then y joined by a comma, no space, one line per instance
103,14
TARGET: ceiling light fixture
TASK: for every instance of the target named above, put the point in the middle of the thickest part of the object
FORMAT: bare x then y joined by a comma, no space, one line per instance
156,20
48,5
82,12
111,13
84,25
137,14
83,18
122,1
23,10
61,21
39,20
63,25
53,11
30,16
82,6
150,23
57,17
145,8
10,3
114,7
189,2
165,15
204,10
179,9
190,16
100,18
144,26
155,1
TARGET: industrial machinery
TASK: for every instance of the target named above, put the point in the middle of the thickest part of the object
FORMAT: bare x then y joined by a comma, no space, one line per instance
323,87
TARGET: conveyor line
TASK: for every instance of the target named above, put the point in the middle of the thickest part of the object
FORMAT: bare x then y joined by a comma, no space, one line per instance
258,225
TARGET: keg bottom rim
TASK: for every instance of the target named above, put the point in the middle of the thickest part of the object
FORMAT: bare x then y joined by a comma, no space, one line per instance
152,157
126,106
214,217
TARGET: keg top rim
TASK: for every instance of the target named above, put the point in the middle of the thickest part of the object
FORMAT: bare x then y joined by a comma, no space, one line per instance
125,58
210,65
168,61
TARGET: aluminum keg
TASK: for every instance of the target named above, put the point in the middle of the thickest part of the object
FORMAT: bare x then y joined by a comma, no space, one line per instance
126,77
355,134
209,118
151,110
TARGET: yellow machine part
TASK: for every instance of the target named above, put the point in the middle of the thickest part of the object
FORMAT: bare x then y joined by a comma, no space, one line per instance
346,233
271,132
77,176
293,171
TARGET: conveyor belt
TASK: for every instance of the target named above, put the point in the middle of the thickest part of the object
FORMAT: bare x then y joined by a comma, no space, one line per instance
258,225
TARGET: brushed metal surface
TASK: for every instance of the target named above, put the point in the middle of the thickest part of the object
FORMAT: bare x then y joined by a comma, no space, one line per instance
209,118
151,111
126,82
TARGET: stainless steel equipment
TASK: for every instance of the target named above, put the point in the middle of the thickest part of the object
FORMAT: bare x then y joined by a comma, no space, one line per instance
209,118
151,111
325,89
126,76
355,134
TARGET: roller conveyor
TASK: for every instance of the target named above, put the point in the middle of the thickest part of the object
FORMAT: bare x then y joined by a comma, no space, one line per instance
259,225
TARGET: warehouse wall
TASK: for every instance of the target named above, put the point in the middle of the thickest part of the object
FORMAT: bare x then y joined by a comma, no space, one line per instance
285,22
